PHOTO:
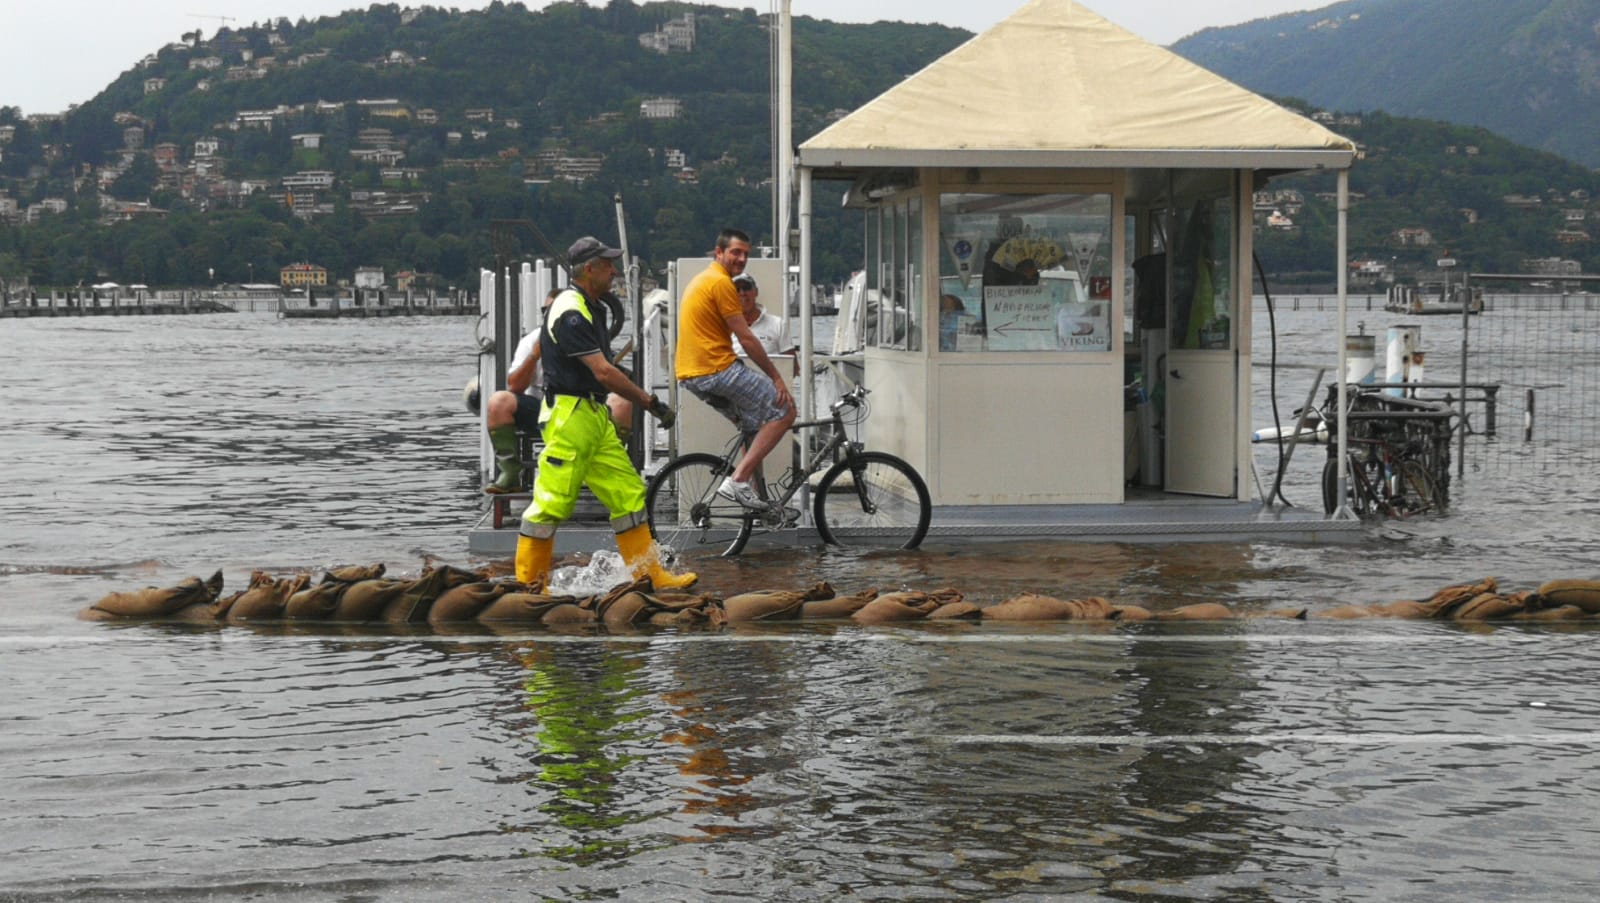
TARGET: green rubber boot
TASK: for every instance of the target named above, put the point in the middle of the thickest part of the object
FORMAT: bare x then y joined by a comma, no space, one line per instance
507,455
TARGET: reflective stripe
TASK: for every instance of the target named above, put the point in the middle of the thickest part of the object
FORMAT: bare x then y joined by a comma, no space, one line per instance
628,521
537,531
571,299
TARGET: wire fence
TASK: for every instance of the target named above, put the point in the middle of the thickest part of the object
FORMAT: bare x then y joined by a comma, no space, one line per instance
1531,376
1532,371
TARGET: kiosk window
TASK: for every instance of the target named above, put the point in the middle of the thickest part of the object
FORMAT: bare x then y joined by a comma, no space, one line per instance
1202,274
894,246
1025,272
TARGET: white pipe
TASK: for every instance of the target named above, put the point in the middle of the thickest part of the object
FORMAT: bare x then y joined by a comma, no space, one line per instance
672,347
807,392
784,139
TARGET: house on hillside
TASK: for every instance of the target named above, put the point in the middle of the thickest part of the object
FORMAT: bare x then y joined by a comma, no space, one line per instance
369,277
676,35
302,275
660,108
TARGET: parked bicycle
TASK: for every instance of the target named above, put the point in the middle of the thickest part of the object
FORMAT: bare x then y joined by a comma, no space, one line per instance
865,499
1399,457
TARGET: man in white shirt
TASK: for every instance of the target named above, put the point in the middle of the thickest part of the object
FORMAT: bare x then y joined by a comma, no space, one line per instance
515,409
770,331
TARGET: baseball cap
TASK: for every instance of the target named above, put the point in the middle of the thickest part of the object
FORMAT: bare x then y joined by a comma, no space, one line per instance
744,280
588,248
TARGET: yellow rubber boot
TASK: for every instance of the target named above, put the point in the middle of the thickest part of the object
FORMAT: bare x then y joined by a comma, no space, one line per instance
643,557
533,560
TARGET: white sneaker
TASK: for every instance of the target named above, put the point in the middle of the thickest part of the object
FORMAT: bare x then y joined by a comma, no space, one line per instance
743,493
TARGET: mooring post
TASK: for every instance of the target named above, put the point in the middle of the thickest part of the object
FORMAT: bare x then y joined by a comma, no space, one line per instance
1491,394
1527,420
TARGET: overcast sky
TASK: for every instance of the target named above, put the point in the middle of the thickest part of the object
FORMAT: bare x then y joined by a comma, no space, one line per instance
59,52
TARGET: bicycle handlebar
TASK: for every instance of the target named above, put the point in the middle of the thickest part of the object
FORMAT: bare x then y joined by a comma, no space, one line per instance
853,398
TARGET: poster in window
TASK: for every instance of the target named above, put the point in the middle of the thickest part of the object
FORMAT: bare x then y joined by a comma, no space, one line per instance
1083,326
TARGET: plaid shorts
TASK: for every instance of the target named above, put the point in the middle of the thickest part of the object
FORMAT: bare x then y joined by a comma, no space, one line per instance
740,394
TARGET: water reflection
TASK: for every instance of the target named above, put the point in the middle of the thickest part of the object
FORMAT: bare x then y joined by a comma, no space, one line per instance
582,727
1181,817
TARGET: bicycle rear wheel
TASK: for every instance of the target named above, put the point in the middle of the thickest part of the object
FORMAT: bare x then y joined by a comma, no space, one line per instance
873,500
1359,491
687,516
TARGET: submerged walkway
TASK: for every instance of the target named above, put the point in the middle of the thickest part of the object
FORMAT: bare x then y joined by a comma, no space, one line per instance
1158,518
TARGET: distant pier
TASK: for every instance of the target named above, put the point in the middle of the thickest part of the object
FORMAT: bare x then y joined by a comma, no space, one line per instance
249,299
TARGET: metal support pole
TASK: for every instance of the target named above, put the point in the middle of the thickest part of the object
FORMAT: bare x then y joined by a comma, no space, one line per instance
1342,419
1466,319
631,281
807,389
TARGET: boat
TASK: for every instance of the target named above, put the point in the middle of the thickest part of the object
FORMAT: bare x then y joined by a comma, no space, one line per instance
1434,299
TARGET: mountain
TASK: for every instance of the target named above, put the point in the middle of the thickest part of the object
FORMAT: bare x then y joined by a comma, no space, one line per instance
1423,189
1526,69
397,138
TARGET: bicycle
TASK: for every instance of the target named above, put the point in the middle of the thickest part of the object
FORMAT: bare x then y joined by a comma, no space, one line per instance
1398,464
866,499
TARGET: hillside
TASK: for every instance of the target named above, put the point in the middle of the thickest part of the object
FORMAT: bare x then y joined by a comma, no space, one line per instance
1526,69
394,138
1424,189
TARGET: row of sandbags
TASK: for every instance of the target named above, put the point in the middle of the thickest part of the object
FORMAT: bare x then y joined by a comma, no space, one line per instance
452,595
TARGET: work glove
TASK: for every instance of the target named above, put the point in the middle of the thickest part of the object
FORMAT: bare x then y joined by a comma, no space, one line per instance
662,412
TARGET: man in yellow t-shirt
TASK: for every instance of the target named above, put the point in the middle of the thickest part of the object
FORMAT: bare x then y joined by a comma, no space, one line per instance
710,318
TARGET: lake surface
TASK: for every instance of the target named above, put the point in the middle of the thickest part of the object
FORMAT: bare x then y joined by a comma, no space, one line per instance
1255,759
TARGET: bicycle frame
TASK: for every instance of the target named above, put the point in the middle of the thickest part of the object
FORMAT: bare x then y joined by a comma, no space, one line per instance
798,479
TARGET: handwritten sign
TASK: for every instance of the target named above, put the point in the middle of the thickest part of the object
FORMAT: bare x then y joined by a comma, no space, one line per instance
1019,318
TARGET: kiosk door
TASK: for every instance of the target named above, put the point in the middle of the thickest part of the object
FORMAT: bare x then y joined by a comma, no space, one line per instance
1202,367
1200,423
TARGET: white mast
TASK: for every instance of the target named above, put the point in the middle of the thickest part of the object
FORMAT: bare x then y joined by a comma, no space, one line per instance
784,152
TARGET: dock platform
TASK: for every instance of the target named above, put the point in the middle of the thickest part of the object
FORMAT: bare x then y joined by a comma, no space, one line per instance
1156,518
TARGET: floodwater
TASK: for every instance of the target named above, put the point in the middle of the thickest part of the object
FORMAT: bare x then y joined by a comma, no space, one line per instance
1257,759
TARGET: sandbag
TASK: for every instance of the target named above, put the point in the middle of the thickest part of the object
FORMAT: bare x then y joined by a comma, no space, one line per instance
765,605
266,598
955,611
1034,607
520,607
1200,611
412,606
627,610
155,602
353,573
838,606
315,603
468,601
903,606
1488,607
1583,593
365,600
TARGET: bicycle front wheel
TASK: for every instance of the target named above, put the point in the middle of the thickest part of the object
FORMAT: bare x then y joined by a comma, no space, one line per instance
873,500
686,514
1417,493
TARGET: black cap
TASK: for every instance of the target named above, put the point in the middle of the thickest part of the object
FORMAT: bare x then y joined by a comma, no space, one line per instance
588,248
744,280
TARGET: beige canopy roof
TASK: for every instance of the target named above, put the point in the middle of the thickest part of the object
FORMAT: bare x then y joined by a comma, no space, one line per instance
1057,86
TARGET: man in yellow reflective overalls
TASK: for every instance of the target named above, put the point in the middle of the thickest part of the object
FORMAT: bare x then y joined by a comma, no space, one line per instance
580,445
